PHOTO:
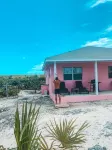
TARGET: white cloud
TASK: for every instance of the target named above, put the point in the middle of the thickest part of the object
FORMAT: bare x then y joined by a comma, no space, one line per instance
98,2
109,29
37,69
102,42
106,31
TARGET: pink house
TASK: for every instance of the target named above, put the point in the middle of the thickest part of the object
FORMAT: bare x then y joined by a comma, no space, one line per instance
92,66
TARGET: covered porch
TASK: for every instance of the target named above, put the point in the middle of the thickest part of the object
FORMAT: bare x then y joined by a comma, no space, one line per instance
100,71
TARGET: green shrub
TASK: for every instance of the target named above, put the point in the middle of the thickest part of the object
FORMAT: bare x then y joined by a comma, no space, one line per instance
12,92
25,131
28,136
67,133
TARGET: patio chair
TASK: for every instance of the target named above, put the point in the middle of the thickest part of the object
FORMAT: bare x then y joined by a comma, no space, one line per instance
79,88
63,89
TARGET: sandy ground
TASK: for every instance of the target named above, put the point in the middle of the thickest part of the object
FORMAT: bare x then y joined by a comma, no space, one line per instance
98,114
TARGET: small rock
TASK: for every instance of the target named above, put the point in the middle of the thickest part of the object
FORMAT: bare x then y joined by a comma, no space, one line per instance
97,147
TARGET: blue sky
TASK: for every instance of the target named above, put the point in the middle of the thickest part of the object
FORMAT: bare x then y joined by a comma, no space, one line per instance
31,30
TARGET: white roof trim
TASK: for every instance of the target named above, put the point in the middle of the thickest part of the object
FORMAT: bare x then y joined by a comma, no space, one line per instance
78,60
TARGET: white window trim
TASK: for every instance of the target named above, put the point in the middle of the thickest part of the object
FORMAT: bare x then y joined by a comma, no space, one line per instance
72,72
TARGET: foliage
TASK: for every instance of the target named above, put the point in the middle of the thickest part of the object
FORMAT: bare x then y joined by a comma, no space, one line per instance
2,148
20,83
35,83
28,136
2,92
66,133
13,91
25,131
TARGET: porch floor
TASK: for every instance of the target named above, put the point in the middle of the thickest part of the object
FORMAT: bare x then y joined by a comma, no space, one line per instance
103,95
92,93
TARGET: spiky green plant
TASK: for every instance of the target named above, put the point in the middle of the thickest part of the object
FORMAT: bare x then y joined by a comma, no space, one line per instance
2,148
25,131
44,145
67,134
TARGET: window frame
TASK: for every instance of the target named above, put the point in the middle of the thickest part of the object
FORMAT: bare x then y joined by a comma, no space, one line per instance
72,73
109,72
69,74
78,73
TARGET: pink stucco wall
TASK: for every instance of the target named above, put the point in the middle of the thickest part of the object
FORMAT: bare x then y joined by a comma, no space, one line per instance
88,74
82,98
44,88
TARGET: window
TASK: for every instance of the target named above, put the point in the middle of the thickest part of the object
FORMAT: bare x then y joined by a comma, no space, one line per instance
73,73
77,73
68,73
109,71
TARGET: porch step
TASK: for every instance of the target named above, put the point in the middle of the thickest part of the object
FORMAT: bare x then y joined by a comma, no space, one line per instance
62,106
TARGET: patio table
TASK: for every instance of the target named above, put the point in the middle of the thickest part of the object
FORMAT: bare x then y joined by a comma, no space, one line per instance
92,86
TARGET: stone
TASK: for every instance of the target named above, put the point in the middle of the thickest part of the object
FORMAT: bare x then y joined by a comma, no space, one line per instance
97,147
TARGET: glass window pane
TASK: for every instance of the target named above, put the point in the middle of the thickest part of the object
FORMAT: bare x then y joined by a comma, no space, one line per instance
110,68
77,76
77,70
110,75
67,76
67,70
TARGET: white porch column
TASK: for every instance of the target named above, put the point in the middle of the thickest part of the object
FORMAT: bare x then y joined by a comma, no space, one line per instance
55,70
96,77
47,78
50,81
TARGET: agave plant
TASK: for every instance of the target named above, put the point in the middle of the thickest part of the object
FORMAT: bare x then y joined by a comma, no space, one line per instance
2,148
67,134
28,137
25,131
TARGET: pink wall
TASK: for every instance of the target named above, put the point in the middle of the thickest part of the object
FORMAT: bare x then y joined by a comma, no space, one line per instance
88,74
103,76
86,77
82,98
44,88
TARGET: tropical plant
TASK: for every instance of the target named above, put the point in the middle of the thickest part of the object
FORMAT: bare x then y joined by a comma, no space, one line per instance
67,134
25,131
22,83
2,148
35,83
28,137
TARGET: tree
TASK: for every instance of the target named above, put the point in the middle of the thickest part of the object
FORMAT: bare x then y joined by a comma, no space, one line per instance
35,83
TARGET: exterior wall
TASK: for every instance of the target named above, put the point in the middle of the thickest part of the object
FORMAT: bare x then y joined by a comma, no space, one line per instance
44,88
83,98
88,75
103,76
86,67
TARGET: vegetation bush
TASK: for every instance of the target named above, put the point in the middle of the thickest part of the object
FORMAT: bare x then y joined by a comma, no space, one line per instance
2,92
12,92
14,85
64,135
